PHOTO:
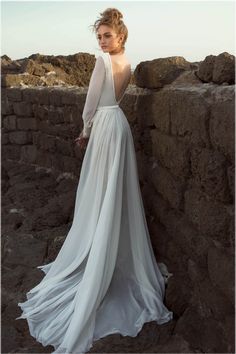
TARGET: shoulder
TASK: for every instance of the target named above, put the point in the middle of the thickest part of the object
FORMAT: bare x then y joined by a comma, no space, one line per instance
101,62
102,58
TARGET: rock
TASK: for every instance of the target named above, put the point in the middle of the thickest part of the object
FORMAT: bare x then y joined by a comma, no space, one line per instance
204,334
178,293
210,300
208,168
222,121
221,270
219,69
48,70
205,70
159,72
18,250
224,69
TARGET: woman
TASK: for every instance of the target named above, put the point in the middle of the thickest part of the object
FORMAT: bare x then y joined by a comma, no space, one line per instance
105,278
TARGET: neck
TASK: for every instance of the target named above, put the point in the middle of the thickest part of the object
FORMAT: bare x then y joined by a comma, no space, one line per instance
119,51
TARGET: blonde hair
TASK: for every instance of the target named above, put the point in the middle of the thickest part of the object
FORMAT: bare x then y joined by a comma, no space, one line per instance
112,17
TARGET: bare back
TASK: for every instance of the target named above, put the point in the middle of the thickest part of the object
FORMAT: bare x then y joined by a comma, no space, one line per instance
121,72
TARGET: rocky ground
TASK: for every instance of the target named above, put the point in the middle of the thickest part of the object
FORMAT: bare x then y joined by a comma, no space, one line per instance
37,210
48,70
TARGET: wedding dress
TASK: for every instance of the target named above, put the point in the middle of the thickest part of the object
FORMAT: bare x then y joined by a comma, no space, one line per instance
105,278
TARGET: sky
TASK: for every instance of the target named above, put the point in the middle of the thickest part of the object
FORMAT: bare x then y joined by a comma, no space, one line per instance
156,29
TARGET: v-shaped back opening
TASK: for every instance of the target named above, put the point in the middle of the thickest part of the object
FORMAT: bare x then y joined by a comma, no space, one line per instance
113,82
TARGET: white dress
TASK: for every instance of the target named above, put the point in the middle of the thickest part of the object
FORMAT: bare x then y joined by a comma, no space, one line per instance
105,278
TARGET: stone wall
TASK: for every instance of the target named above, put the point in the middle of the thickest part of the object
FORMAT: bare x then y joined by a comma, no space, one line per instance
186,139
40,124
183,132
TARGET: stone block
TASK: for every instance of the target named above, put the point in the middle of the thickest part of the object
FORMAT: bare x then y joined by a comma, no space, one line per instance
56,116
189,114
9,122
171,153
159,72
14,94
20,137
160,110
210,217
29,153
209,173
167,185
222,122
222,271
29,123
22,109
10,152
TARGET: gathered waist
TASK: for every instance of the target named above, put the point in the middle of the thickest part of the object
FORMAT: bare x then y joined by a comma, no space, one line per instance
107,107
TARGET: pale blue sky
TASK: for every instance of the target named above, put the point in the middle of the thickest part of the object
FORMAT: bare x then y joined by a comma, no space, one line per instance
157,29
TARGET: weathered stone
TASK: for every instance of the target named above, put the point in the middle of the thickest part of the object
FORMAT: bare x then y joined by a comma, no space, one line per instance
64,147
70,164
186,236
222,121
160,110
209,216
56,116
28,123
187,78
20,80
48,143
159,72
224,69
189,112
168,186
5,138
142,110
55,98
19,250
129,105
205,70
48,70
219,69
231,180
22,109
209,173
33,68
28,153
221,270
201,332
9,122
11,152
210,301
6,106
41,111
12,339
39,95
178,298
175,344
171,153
14,94
20,137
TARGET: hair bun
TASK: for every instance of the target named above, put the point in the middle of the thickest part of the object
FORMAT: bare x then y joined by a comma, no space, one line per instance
114,14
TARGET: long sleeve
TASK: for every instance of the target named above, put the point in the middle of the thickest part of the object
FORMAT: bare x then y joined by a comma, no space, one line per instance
93,95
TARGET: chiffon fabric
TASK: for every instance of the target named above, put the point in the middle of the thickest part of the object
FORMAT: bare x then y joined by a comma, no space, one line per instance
105,278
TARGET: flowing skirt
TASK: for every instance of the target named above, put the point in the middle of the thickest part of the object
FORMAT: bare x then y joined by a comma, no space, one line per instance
105,278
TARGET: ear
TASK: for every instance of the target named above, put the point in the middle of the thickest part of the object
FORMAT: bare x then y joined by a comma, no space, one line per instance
121,37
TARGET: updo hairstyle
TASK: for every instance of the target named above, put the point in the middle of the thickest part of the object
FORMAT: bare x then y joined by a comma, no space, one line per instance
112,17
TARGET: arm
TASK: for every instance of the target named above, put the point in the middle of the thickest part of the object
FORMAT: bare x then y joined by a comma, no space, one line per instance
93,95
